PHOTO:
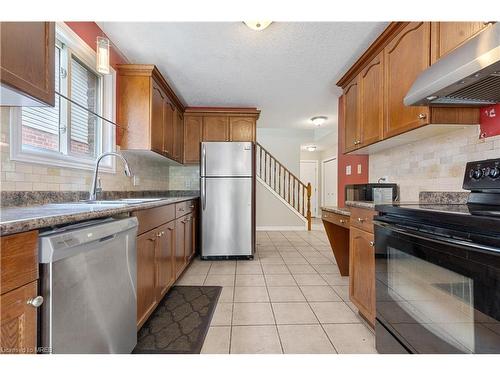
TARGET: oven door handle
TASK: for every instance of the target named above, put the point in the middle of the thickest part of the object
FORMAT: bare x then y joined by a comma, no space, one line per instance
434,238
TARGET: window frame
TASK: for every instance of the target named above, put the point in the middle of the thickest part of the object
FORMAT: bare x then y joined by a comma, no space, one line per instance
84,54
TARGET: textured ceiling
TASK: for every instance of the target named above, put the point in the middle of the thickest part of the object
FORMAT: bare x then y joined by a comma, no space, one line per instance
288,70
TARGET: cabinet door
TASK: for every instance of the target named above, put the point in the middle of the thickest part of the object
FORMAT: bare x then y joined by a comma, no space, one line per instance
168,128
193,126
351,116
362,272
178,135
446,36
371,102
27,59
146,267
242,129
18,320
216,128
180,245
188,235
157,118
405,57
164,257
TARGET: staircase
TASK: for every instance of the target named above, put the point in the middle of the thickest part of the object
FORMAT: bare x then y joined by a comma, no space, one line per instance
284,183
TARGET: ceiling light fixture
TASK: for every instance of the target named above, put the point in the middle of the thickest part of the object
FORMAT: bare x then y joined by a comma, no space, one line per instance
257,25
319,120
311,148
102,60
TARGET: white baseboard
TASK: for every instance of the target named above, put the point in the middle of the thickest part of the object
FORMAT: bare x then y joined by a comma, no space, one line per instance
271,228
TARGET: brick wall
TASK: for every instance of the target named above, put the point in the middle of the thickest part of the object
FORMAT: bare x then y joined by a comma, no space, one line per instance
39,138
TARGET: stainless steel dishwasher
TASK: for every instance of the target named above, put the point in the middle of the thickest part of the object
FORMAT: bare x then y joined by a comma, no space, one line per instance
88,281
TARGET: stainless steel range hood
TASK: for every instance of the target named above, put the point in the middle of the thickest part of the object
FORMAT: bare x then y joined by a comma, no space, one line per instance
466,77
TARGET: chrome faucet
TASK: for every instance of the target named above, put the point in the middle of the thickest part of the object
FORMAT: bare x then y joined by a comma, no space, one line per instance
93,189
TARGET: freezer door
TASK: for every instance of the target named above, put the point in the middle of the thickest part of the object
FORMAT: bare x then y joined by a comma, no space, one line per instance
226,215
226,159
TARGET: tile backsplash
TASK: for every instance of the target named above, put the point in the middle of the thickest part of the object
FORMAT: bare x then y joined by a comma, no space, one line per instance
184,177
432,164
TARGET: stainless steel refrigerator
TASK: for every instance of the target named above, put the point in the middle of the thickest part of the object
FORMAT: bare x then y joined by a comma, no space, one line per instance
227,183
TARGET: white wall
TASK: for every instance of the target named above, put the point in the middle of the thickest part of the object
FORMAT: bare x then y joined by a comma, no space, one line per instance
433,164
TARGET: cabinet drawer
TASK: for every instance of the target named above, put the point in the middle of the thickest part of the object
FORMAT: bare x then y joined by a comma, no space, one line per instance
334,218
18,260
184,208
154,217
362,218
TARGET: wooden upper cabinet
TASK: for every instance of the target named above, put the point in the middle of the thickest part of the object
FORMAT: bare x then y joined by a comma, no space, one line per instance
178,136
27,62
157,118
371,101
216,128
405,57
351,116
168,129
242,129
193,125
446,36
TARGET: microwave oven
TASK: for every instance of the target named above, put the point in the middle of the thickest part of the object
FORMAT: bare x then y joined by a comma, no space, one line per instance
378,193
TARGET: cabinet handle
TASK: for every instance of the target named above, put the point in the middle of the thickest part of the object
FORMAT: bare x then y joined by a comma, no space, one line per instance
361,220
35,301
357,142
160,234
372,244
170,229
192,206
342,221
422,116
152,239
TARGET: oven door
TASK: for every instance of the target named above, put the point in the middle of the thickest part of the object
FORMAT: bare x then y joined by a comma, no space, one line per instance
435,294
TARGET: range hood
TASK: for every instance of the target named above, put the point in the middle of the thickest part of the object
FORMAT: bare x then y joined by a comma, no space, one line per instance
466,77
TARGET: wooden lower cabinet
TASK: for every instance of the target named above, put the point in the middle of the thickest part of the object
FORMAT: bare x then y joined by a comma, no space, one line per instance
146,283
164,258
362,272
18,321
180,245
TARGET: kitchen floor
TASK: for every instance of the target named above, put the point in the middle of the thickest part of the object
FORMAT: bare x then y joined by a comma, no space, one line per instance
289,299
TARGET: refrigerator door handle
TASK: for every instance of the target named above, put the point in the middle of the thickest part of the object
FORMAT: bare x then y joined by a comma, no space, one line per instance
203,160
203,194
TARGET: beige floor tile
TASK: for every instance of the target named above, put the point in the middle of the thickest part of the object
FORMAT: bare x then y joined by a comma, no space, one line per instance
265,261
258,313
309,279
293,313
290,254
217,341
275,269
251,268
301,260
304,339
327,269
319,293
280,280
334,312
250,280
351,338
223,315
222,269
301,268
251,294
220,280
191,280
255,340
342,291
318,260
333,279
226,294
198,268
285,294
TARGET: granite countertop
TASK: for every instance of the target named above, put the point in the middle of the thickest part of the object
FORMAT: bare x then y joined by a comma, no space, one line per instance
370,205
337,210
17,219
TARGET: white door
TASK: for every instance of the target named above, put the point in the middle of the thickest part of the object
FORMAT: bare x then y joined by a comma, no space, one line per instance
309,173
330,182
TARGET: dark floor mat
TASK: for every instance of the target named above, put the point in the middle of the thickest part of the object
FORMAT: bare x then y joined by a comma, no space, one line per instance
180,322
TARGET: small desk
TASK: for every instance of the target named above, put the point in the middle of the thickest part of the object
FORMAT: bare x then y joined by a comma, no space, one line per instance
336,221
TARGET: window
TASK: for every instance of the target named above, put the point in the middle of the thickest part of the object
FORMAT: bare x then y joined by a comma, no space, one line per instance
67,134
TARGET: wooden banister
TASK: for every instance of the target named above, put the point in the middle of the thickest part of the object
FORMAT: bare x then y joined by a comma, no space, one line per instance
296,193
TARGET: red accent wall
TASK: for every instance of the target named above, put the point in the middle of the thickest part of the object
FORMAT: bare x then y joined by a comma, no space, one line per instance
345,160
89,31
490,121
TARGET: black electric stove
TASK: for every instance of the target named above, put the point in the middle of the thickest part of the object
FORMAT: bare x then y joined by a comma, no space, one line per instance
438,271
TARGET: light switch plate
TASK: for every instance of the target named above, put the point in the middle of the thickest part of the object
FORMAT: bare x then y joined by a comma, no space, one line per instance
359,168
348,170
136,180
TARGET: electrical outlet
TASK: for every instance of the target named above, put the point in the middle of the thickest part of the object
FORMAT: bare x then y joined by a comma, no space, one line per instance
136,180
359,168
348,170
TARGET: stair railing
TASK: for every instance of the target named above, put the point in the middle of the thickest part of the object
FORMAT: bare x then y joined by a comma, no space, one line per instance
288,186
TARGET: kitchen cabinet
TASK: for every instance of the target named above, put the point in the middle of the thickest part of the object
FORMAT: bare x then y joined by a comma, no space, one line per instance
371,102
446,36
27,63
180,245
18,289
242,129
191,237
406,56
362,272
193,125
351,116
146,270
178,136
216,128
337,231
165,245
147,105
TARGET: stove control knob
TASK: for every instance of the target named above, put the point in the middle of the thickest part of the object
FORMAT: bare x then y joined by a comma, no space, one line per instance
494,172
477,174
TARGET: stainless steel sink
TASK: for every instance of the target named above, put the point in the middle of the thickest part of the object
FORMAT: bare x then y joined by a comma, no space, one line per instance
114,202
